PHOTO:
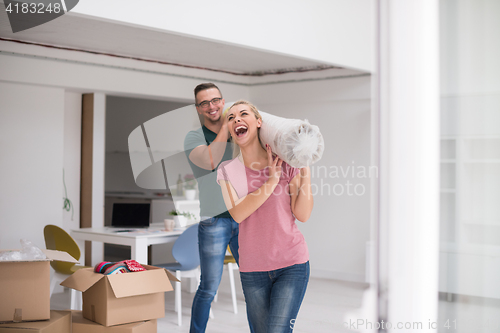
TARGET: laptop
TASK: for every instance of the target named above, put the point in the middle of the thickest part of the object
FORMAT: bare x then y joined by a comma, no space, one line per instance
131,215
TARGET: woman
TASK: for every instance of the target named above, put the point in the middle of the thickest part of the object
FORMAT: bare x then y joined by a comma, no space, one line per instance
265,195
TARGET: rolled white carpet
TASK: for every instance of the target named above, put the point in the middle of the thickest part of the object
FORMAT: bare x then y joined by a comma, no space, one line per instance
295,141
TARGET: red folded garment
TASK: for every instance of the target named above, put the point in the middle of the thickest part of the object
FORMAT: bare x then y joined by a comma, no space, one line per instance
134,266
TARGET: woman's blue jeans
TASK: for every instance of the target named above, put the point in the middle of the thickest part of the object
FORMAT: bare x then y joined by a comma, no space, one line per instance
214,234
273,298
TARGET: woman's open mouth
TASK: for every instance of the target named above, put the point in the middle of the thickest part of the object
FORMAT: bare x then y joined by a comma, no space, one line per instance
240,130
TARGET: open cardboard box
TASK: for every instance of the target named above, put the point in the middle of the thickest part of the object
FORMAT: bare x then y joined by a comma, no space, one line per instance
122,298
25,287
59,322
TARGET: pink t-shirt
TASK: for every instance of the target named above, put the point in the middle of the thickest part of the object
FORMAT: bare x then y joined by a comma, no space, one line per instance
268,239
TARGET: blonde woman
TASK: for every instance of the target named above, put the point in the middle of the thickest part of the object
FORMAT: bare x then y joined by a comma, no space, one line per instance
265,196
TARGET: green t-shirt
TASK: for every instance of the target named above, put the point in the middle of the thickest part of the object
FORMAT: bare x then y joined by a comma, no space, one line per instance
211,201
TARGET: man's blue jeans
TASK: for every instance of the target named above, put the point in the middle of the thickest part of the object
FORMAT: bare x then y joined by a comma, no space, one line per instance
273,298
214,234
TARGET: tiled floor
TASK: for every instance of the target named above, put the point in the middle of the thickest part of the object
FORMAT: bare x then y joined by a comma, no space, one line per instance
322,310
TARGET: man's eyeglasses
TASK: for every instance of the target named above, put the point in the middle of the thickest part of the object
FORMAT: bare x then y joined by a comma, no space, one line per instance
206,104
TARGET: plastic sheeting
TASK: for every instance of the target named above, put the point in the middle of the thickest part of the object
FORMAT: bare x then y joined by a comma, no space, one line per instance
28,252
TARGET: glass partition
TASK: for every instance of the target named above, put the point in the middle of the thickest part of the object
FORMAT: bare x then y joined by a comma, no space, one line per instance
469,292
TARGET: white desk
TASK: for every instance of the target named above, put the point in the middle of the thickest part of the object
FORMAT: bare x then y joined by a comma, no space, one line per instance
138,240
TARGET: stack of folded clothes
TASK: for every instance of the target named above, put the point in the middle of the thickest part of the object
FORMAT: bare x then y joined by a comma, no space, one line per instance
124,266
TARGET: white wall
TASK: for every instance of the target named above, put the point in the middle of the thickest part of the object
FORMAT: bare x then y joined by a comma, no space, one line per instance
333,31
338,229
31,161
72,157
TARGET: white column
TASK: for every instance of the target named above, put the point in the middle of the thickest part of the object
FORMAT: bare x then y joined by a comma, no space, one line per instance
99,151
409,163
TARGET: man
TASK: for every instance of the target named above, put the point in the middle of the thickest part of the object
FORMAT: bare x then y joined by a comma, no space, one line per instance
206,148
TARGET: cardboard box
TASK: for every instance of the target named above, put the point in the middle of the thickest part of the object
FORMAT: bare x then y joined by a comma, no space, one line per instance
59,322
25,287
122,298
82,325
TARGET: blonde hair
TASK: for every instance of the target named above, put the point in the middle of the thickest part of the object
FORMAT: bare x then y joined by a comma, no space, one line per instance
253,108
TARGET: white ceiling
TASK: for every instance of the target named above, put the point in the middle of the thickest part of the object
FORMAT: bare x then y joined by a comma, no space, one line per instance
89,34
